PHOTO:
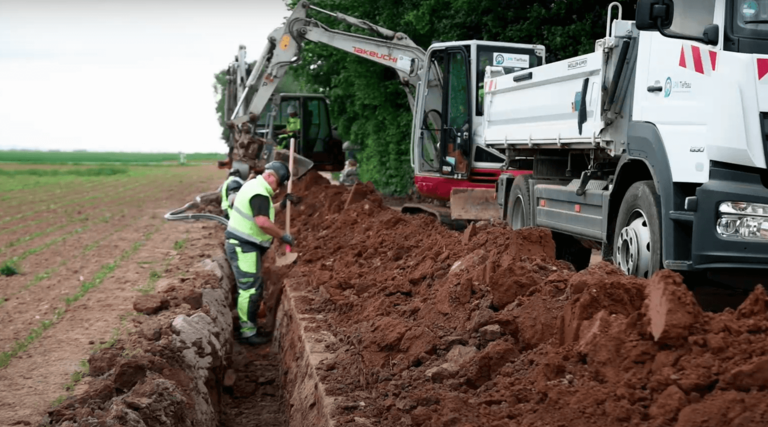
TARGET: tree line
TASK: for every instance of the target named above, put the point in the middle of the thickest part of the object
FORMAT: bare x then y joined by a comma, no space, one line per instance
367,102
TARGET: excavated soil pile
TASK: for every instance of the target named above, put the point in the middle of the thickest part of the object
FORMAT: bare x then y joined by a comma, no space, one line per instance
430,327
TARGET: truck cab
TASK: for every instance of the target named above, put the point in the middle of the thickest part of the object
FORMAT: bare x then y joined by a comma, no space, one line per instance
652,148
317,139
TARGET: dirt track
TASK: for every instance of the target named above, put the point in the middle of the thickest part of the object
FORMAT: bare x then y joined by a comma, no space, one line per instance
417,325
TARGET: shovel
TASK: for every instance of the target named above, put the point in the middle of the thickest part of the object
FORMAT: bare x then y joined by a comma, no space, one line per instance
289,256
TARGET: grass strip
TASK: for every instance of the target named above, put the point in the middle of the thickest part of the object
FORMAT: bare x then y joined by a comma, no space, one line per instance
115,195
27,198
35,235
103,273
28,224
14,262
35,333
49,272
98,171
52,207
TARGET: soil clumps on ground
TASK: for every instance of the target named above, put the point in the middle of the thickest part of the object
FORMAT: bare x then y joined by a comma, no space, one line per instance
485,328
425,326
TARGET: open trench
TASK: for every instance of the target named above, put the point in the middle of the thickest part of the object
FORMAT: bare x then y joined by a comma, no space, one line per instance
388,321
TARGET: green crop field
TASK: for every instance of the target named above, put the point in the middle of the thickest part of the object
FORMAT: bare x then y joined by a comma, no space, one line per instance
84,157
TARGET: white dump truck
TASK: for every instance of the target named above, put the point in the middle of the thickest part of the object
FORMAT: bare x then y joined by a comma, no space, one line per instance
652,148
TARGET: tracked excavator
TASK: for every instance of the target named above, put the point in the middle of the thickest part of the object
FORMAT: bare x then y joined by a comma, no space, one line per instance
453,166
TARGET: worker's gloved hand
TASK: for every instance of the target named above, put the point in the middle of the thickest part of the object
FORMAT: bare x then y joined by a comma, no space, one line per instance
288,197
288,239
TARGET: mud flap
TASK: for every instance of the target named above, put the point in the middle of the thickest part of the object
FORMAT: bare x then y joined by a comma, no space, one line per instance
478,204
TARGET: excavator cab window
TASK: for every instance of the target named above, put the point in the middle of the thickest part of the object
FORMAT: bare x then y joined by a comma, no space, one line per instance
457,129
433,121
316,128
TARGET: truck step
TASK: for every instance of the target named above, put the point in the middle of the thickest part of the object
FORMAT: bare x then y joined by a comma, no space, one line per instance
591,185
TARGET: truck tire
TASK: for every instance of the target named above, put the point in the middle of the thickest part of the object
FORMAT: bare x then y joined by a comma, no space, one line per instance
637,240
569,249
519,203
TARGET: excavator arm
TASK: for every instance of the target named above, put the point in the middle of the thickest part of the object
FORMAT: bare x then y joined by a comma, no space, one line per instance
392,49
237,74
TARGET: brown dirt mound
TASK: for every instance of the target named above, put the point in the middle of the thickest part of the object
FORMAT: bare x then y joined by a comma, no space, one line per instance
432,329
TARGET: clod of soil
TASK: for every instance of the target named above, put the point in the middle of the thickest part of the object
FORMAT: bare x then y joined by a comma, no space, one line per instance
150,304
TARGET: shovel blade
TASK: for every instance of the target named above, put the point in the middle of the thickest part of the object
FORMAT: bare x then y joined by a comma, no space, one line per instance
477,204
286,259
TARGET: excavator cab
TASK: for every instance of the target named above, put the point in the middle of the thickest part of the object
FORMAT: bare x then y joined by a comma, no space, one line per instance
315,139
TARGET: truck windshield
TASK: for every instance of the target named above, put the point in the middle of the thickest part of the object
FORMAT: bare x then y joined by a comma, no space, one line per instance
511,59
750,18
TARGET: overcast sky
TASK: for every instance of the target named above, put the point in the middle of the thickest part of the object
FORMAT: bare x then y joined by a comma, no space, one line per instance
126,75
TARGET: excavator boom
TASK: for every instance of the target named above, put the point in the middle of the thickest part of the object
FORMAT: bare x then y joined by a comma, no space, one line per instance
390,48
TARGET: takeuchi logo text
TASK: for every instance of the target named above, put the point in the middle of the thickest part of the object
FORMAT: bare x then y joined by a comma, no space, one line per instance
374,54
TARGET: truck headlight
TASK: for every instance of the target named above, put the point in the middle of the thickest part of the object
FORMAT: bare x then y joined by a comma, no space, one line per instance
741,220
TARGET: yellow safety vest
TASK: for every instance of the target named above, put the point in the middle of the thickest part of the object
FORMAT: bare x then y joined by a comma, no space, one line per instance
241,216
225,196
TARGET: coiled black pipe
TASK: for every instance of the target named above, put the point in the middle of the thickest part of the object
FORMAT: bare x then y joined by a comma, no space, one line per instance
178,214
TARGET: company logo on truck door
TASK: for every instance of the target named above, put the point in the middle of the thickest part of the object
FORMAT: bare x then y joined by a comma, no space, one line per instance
681,86
374,54
702,61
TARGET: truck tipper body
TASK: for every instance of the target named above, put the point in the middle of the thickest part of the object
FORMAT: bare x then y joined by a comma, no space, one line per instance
651,148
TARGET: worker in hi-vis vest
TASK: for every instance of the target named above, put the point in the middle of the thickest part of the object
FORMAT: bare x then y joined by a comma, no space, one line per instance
291,129
249,234
237,176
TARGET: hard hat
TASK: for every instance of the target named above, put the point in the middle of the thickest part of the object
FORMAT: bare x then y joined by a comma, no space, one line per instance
279,168
241,169
292,109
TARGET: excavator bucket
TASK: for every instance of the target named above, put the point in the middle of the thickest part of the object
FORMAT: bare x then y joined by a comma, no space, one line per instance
475,204
301,164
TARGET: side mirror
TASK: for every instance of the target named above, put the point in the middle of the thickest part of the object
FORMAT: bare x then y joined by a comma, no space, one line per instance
650,11
712,35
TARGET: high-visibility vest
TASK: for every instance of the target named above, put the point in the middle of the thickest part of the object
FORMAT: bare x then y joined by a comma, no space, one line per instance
241,216
225,195
294,124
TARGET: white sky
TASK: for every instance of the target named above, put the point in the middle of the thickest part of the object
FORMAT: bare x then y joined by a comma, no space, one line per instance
126,75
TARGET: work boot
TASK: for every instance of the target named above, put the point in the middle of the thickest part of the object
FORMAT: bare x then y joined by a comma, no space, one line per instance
255,340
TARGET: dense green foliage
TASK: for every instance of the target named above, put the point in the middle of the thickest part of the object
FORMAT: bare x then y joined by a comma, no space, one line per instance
366,101
219,89
88,157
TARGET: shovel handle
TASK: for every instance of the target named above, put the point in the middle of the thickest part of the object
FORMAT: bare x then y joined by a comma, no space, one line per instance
290,187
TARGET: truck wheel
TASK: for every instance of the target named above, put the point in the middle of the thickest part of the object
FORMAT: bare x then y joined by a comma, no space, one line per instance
637,240
568,249
519,203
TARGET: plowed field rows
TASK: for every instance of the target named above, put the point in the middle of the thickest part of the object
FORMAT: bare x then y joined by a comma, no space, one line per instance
82,245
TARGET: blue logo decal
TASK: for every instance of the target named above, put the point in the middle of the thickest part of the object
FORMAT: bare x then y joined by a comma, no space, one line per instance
668,87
